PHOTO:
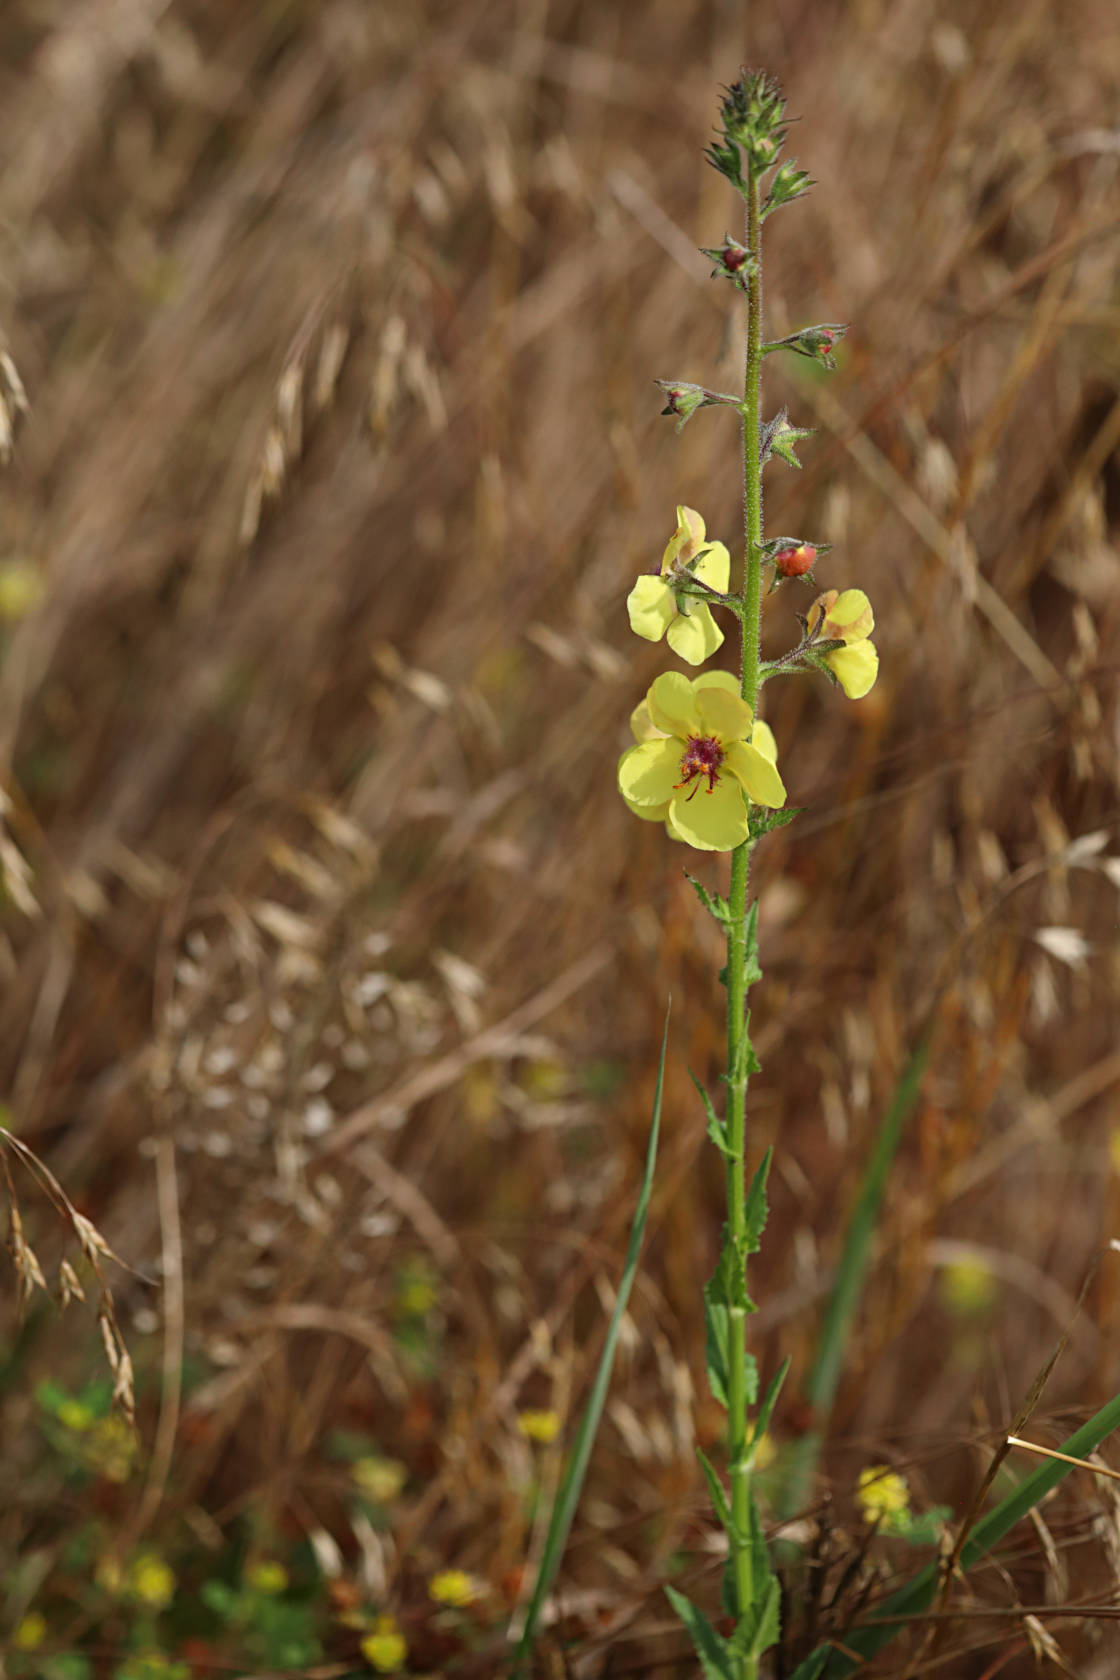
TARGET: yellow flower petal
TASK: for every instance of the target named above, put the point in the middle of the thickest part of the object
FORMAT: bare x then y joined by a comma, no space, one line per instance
686,539
716,679
652,607
842,618
642,726
714,568
757,773
695,635
856,667
722,714
711,819
672,705
649,772
764,742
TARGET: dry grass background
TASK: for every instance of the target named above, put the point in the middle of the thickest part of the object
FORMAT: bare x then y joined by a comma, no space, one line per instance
338,324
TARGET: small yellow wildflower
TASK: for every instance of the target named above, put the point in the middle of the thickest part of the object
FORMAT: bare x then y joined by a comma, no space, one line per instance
692,731
379,1478
112,1448
385,1647
453,1586
417,1290
76,1415
657,610
267,1577
882,1495
22,587
847,618
968,1288
542,1427
765,1453
30,1631
151,1580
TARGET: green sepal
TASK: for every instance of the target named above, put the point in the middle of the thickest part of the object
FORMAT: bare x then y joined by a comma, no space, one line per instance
769,1401
758,1207
817,663
789,183
717,907
717,1131
710,1646
761,821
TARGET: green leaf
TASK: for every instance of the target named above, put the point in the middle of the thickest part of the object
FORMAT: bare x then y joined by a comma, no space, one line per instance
770,1400
716,906
719,1496
813,1666
717,1131
762,821
709,1646
745,1062
760,1626
726,1289
567,1496
757,1206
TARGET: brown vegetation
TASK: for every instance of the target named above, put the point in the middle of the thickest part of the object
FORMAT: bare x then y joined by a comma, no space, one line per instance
339,968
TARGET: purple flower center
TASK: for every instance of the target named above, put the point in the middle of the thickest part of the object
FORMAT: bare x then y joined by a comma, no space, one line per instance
703,756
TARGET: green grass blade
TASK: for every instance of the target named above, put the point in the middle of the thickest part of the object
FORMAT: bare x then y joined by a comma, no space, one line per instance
824,1376
568,1494
919,1593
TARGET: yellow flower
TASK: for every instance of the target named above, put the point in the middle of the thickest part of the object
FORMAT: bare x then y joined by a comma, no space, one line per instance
112,1448
76,1415
267,1577
22,587
968,1288
30,1631
542,1427
847,618
700,758
381,1478
151,1580
765,1453
882,1495
657,610
385,1647
453,1586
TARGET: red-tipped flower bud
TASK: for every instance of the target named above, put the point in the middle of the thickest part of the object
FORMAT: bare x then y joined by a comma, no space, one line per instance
795,562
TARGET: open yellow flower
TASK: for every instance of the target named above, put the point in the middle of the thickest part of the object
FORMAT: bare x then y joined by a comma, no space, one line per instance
699,760
882,1495
847,618
657,610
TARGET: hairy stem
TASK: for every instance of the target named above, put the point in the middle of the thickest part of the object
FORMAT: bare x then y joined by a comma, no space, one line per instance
746,1586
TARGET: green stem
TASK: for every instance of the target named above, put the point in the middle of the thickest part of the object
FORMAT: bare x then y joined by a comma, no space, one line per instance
747,1588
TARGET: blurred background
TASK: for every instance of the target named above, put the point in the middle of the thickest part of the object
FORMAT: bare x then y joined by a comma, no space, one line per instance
334,967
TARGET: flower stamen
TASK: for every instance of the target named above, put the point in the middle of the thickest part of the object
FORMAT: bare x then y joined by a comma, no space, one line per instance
703,756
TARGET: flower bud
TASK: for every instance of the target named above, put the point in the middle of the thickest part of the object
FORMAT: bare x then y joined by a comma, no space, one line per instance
794,561
681,399
817,343
733,261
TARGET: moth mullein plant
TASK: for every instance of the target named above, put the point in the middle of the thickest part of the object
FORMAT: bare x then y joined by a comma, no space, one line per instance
705,765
